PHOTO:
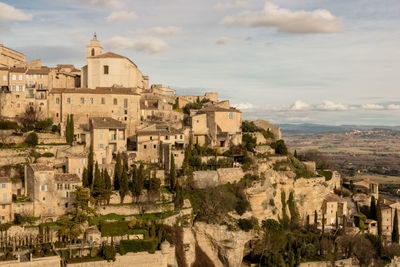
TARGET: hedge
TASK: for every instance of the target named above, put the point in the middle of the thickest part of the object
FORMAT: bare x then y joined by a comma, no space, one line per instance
114,228
137,245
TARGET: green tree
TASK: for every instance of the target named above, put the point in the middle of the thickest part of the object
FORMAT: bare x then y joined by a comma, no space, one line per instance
32,139
85,178
295,154
69,129
285,217
280,147
372,210
379,219
108,186
178,197
138,182
98,184
118,172
90,166
323,222
292,209
315,218
172,173
124,184
395,231
336,222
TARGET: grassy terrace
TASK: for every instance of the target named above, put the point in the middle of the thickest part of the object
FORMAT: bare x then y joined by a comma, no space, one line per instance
96,220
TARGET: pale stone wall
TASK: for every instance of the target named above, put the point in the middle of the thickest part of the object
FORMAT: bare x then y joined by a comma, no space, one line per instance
229,175
53,261
9,57
47,138
204,179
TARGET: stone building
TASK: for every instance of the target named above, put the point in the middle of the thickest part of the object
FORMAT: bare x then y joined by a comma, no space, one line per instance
183,100
50,192
122,104
75,163
334,206
107,137
157,109
217,125
109,69
368,187
388,209
10,57
5,199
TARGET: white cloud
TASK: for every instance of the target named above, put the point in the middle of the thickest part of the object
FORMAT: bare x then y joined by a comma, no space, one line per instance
329,105
8,12
300,105
393,107
121,16
372,107
148,44
222,40
169,30
114,4
285,20
229,6
243,106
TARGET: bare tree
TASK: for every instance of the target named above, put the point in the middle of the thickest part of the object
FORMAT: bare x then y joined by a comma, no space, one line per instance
31,115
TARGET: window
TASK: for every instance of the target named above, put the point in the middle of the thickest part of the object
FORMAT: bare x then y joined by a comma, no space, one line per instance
20,77
144,146
82,161
101,146
151,137
3,185
59,186
66,186
91,100
82,100
101,136
230,115
166,137
69,100
115,101
57,100
67,194
125,103
92,52
103,100
4,77
3,207
66,205
176,137
4,197
79,170
105,69
155,146
103,160
181,137
14,77
43,188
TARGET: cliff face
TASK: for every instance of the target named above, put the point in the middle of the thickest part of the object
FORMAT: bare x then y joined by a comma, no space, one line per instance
222,247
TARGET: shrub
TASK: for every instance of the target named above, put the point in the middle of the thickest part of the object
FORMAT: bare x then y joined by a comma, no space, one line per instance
326,174
108,253
8,125
249,142
245,224
241,206
114,228
250,127
55,129
47,155
268,134
32,139
137,245
44,124
280,147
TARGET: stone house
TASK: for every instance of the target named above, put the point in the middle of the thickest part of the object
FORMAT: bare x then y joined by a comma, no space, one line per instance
219,127
388,209
183,100
156,109
10,57
5,199
75,163
333,206
368,187
107,137
155,143
50,192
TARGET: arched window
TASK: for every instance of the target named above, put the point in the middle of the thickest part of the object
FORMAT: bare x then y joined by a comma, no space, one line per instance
92,52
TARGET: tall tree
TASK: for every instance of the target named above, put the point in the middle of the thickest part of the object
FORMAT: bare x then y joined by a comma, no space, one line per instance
395,232
108,186
124,184
315,218
118,172
372,209
138,182
178,197
379,219
98,184
85,178
336,222
172,173
72,128
295,154
285,217
67,132
90,166
323,222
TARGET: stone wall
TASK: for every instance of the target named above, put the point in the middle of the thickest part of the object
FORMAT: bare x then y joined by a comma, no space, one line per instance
230,175
339,263
48,138
40,262
133,209
204,179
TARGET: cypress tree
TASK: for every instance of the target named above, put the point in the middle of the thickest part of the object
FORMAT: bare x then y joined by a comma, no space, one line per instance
124,184
90,166
395,232
285,217
85,178
337,222
172,173
98,183
379,219
71,126
67,131
118,172
372,209
178,199
295,154
323,222
108,186
315,218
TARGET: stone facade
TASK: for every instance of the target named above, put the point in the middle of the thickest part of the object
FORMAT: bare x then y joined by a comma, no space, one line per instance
5,199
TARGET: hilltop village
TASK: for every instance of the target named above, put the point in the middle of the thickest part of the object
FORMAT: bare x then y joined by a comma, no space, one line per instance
100,168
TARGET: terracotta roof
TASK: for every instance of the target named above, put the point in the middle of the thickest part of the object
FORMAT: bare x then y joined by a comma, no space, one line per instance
5,179
66,177
106,123
98,90
40,167
42,70
18,70
112,55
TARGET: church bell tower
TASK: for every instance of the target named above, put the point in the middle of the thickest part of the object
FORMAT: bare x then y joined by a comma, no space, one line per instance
94,48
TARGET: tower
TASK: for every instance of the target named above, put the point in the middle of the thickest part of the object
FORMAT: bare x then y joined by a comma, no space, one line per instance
94,48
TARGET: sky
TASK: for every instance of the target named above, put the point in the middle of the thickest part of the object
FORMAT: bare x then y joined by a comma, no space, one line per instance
286,61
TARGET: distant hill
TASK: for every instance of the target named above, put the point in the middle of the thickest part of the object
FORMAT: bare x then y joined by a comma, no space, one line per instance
320,128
